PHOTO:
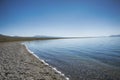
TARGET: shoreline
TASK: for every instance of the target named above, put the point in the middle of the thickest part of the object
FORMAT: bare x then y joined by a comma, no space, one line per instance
17,62
59,72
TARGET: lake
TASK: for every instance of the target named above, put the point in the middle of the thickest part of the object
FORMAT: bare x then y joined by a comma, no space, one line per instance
83,58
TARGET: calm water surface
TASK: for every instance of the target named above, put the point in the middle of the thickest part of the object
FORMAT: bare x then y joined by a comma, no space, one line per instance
82,59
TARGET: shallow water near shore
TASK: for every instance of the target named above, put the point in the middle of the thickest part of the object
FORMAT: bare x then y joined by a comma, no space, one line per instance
81,59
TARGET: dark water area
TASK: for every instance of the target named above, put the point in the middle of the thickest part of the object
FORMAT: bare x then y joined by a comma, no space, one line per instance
81,59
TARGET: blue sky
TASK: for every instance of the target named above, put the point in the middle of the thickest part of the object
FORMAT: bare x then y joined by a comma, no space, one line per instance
60,17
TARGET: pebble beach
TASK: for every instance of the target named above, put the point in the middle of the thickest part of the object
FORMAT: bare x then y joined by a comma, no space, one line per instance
17,63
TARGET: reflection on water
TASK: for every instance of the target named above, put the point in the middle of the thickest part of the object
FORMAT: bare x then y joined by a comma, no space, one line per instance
82,59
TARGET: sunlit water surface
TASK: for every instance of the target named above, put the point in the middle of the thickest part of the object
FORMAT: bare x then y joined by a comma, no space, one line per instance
81,59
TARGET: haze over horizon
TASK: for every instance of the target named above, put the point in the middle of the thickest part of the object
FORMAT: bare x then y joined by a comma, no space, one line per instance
64,18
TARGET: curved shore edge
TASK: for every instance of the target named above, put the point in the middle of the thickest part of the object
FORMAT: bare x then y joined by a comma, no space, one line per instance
55,69
17,63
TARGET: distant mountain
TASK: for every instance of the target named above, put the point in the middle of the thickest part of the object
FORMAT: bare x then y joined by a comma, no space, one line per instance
4,38
114,35
43,36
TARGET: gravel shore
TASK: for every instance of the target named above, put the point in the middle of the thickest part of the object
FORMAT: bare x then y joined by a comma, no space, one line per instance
16,63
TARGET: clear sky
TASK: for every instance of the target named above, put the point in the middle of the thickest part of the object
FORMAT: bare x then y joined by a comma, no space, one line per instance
60,17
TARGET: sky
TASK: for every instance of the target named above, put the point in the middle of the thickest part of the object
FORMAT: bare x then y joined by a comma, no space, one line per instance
76,18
